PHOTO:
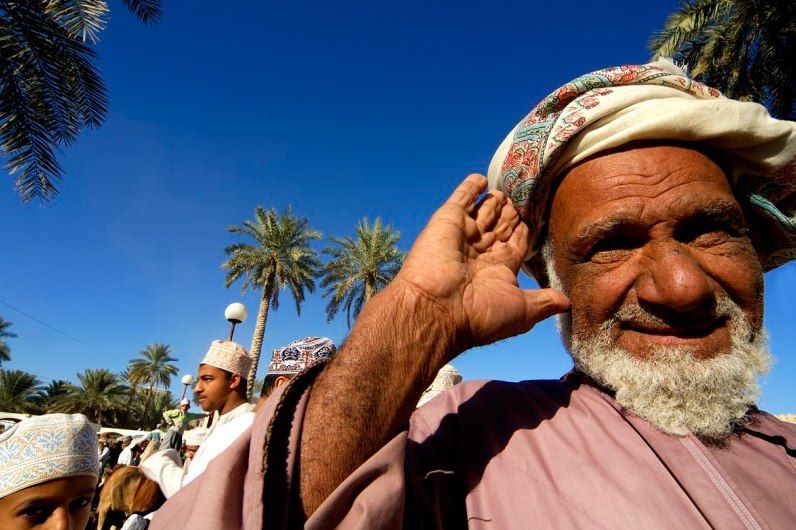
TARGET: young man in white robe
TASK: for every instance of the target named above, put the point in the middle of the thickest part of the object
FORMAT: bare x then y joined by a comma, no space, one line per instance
221,387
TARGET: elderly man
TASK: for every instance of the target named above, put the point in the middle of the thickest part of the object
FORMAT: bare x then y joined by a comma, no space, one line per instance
652,205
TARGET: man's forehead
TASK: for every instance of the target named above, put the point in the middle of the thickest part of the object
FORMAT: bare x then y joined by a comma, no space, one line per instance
629,184
207,370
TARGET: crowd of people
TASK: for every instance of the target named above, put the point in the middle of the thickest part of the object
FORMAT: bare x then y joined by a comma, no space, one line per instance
647,206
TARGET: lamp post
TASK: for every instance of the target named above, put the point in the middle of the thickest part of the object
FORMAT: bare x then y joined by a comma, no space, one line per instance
187,380
235,313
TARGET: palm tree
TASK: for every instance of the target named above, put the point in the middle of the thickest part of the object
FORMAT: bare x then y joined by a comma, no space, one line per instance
49,86
360,267
154,368
5,351
280,258
148,416
101,397
745,48
20,392
54,391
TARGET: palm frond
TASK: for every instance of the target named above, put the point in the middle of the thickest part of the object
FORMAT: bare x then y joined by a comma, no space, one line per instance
147,11
359,267
82,19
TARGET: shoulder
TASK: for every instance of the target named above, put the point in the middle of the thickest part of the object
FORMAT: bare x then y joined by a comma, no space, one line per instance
773,427
492,400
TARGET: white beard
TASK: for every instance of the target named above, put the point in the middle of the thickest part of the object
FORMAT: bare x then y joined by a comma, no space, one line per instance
671,388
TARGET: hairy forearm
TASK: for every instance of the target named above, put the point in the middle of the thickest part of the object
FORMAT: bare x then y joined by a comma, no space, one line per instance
368,391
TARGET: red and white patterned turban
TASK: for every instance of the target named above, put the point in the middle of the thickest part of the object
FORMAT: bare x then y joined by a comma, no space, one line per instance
657,101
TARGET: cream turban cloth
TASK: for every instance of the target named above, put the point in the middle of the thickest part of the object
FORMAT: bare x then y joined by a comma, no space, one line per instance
300,354
447,377
229,356
44,448
656,101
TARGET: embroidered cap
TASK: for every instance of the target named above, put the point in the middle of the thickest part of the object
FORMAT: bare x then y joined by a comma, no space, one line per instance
229,356
44,448
299,354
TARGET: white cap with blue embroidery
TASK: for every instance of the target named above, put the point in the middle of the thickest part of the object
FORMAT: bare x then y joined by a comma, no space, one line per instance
44,448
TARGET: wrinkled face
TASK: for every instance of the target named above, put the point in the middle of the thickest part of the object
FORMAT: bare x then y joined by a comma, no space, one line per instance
58,504
213,388
654,236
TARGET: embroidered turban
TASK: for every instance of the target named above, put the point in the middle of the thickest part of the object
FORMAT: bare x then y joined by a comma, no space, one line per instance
656,101
299,354
229,356
44,448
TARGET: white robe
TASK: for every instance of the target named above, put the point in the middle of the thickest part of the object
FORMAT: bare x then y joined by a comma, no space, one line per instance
164,467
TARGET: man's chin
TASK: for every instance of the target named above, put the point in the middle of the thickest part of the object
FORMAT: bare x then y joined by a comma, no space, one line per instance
678,391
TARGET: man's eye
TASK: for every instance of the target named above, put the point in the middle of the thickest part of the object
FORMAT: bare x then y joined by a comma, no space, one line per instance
81,502
612,249
710,233
37,514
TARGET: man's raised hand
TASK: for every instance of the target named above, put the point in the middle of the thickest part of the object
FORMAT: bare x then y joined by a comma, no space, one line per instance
465,264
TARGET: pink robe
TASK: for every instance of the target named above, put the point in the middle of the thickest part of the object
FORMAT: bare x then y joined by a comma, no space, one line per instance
535,454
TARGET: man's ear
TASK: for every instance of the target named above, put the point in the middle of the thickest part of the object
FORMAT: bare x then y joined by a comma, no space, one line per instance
538,270
279,381
235,381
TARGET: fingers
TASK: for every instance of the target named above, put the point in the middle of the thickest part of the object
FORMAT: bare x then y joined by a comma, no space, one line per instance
466,194
489,210
544,303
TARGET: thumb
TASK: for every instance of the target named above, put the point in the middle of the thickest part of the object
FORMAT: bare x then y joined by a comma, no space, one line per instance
543,303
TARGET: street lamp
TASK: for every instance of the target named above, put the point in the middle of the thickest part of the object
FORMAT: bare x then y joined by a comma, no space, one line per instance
187,380
235,313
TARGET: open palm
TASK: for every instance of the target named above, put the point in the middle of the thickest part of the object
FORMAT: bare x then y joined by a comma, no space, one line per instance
466,262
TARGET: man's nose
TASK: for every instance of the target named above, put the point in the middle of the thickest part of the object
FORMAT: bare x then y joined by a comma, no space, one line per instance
674,279
60,519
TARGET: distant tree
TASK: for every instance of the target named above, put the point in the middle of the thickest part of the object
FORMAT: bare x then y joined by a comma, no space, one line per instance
49,86
359,267
20,392
53,391
5,351
150,416
745,48
101,396
280,258
154,368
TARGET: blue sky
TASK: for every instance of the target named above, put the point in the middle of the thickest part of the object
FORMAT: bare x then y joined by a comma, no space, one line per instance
343,110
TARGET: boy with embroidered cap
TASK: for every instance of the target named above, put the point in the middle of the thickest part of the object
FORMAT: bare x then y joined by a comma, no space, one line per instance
221,387
293,358
48,472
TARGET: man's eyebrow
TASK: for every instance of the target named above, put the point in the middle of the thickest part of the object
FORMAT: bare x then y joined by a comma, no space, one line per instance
718,210
601,229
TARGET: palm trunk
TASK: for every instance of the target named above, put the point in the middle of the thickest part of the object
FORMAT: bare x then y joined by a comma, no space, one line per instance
370,288
257,338
146,407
